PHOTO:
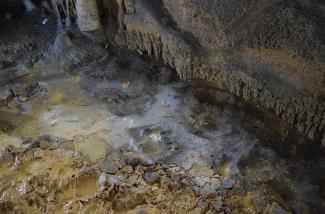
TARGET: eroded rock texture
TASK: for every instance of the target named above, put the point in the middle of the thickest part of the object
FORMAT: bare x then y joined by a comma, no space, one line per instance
269,52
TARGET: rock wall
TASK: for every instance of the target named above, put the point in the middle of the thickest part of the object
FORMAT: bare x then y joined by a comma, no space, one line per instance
269,52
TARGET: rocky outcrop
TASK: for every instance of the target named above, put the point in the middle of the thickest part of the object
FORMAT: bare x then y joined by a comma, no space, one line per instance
269,52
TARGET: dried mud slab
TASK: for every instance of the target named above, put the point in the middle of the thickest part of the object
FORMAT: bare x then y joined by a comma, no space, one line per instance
54,179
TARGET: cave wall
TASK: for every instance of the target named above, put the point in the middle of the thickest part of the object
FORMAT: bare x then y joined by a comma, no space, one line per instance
269,52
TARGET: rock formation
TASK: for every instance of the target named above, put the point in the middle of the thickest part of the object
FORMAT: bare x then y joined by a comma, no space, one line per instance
269,52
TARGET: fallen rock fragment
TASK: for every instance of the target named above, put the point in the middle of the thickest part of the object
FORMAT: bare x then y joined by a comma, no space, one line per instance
212,186
102,180
228,183
151,177
108,166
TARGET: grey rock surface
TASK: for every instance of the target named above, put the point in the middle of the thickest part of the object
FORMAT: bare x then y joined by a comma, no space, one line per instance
267,52
108,166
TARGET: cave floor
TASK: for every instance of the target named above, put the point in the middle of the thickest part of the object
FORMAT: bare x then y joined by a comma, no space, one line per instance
124,135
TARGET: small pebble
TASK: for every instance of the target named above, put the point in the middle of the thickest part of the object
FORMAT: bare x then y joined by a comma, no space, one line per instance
133,179
151,177
228,183
108,166
103,179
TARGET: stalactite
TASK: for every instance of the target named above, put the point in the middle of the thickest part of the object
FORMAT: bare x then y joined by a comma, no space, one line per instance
64,10
120,15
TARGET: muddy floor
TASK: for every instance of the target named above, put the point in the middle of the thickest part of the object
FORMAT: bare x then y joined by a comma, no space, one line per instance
115,132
